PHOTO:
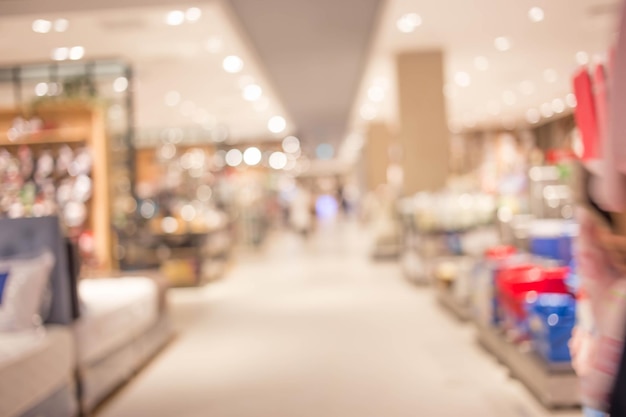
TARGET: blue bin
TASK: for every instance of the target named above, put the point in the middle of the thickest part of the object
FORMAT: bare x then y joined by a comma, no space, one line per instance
551,320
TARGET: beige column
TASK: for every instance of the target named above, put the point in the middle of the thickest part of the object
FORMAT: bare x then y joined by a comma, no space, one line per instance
379,140
424,134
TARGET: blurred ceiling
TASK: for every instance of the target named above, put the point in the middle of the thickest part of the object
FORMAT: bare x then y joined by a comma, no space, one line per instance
314,52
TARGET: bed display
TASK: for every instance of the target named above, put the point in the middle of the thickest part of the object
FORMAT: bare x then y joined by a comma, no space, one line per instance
34,365
120,328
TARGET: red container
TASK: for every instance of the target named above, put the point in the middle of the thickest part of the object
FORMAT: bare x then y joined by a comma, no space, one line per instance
500,252
517,283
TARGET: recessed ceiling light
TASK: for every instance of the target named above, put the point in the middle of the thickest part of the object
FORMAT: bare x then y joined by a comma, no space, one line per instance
61,25
376,93
462,79
571,100
368,111
277,124
252,92
252,156
536,14
234,157
481,63
291,144
41,26
41,89
278,160
558,105
582,58
546,110
527,87
550,75
533,116
509,98
172,98
502,43
232,64
193,14
60,54
175,18
76,53
409,22
214,45
120,84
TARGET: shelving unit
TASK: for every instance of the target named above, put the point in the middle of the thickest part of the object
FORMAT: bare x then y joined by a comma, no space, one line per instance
554,385
78,124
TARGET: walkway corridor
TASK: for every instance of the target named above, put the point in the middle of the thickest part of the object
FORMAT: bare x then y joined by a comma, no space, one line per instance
314,329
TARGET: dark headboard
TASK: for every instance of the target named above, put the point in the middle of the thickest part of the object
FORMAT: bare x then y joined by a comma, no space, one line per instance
32,235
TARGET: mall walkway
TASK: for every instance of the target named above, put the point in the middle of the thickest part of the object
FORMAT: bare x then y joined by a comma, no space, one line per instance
314,329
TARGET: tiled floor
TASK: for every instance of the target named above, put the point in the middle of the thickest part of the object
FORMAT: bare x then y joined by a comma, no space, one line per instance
314,329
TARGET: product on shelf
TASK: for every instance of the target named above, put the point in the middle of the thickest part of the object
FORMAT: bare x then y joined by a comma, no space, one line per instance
551,320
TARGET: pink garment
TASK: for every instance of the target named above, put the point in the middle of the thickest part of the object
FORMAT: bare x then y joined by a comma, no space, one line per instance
611,187
597,352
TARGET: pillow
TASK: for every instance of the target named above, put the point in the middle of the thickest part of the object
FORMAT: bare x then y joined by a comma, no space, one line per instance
24,291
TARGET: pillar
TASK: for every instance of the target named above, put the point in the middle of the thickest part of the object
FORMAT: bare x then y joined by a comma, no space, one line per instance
379,140
424,134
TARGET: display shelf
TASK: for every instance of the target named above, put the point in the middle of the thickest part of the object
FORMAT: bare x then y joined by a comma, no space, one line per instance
554,385
451,303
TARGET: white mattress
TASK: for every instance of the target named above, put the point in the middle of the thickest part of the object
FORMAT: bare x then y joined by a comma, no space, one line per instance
33,365
114,312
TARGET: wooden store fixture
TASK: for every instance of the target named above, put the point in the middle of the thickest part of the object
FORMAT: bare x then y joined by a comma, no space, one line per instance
75,123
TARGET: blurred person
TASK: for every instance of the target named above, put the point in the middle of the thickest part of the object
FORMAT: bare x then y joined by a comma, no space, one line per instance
598,342
301,211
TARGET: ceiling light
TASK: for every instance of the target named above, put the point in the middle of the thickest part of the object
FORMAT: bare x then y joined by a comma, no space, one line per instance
193,14
120,84
493,107
571,100
376,93
233,158
41,26
558,105
462,79
60,54
527,88
502,43
276,124
214,44
550,75
481,63
536,14
41,89
291,144
175,18
252,156
582,58
278,160
368,111
252,92
533,116
232,64
187,108
546,110
509,98
172,98
76,53
409,22
61,25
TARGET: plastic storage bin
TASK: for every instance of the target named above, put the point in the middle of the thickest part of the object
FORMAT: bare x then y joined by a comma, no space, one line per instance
552,318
